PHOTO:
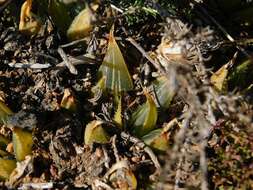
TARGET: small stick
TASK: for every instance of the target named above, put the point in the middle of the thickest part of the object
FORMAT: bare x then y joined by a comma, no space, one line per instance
73,43
64,57
47,56
107,158
143,52
36,186
115,150
29,66
142,145
79,60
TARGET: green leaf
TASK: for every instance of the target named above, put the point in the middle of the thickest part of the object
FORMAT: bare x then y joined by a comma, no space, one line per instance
82,24
114,69
157,139
164,92
59,13
143,120
94,132
6,167
5,112
22,143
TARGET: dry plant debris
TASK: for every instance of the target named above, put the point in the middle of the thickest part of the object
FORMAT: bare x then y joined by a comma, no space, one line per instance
128,94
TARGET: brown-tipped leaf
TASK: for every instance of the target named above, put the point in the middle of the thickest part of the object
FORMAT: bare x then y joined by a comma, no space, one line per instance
157,139
29,23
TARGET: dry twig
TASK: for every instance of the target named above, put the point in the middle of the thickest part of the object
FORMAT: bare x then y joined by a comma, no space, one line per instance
142,145
67,62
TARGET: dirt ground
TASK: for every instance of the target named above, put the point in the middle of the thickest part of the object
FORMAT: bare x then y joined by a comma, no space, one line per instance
205,138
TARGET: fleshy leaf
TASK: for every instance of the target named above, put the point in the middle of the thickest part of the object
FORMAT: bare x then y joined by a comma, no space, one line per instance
157,139
29,23
114,69
6,167
22,143
68,101
143,120
82,24
5,112
94,132
164,92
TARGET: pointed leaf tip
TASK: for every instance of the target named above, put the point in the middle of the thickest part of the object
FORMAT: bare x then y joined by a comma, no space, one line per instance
94,132
143,120
114,69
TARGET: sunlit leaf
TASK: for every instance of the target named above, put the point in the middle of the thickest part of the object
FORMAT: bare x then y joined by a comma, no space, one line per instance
114,69
6,167
157,139
5,112
164,92
3,142
122,177
219,78
94,132
82,25
22,143
68,101
143,120
118,114
59,14
29,23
